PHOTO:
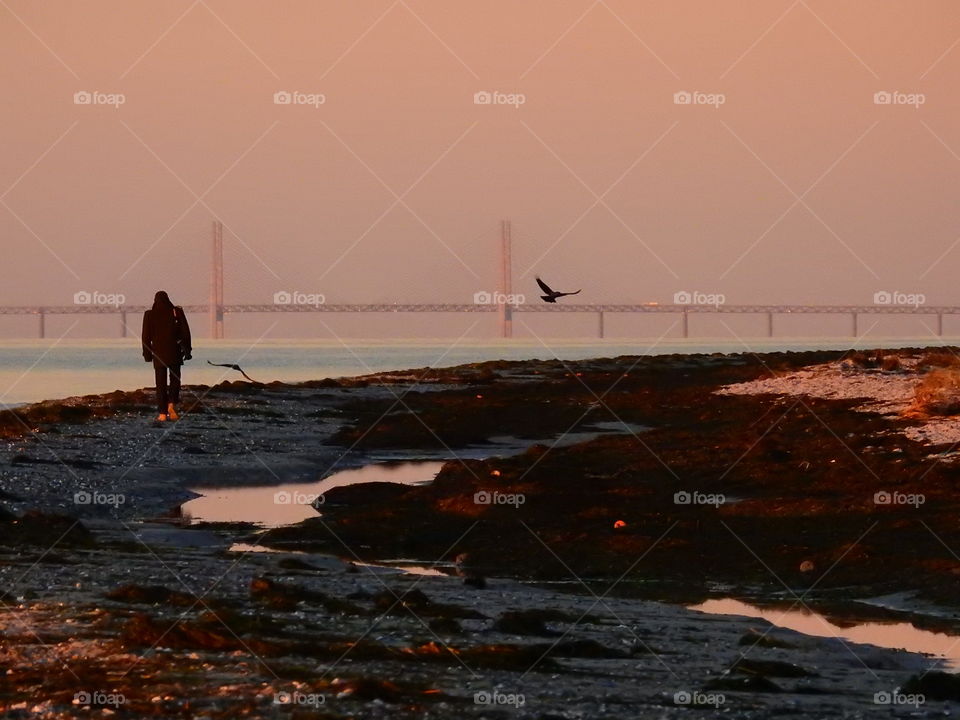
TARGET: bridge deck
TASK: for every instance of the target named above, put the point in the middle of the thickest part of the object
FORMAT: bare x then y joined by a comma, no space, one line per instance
444,307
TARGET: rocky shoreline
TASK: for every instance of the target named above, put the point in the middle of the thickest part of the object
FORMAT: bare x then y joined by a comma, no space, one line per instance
677,492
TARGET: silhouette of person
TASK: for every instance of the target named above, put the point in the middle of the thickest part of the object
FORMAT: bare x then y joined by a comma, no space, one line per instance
166,341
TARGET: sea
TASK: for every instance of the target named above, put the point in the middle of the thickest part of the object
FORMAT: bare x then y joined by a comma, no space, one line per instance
35,370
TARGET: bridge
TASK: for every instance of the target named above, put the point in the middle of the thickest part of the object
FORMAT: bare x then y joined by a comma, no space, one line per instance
216,309
601,311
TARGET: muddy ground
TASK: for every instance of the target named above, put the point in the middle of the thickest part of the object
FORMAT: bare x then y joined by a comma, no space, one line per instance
798,476
561,550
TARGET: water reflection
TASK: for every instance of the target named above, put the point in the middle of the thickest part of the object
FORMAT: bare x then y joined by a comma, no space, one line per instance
896,635
276,505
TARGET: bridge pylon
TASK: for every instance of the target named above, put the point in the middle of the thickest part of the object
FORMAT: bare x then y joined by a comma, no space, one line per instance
216,283
506,280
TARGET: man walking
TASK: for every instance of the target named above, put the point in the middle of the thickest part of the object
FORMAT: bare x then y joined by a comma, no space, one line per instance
166,341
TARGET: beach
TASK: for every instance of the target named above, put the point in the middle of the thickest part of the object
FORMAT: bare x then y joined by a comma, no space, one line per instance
542,559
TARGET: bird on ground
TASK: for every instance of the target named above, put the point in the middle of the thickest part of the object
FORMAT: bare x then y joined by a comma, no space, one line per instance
469,572
232,367
551,295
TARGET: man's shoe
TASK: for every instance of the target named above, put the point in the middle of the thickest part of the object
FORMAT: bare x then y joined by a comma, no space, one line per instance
161,418
172,412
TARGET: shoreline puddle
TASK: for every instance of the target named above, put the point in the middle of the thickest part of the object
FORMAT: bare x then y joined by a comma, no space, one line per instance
270,506
407,567
892,635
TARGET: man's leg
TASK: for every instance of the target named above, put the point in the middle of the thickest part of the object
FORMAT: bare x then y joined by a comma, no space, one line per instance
175,384
160,372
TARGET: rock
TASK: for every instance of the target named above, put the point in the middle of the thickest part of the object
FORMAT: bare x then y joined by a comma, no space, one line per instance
523,622
367,689
773,668
363,494
581,649
445,626
36,528
934,685
765,640
151,594
142,630
404,602
288,596
749,683
9,497
293,563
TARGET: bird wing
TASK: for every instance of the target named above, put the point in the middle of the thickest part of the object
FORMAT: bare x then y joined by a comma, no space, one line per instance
232,367
573,293
544,287
226,365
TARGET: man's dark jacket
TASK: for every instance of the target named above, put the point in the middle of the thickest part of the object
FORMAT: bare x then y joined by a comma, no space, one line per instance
166,336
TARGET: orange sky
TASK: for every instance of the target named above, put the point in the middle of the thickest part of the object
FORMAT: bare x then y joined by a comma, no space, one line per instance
797,189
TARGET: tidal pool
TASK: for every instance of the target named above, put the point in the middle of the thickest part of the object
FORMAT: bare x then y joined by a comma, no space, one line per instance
275,505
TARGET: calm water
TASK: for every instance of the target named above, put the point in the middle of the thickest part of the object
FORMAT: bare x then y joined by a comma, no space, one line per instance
897,635
42,370
276,505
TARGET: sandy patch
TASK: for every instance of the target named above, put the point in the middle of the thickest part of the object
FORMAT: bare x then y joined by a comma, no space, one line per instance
886,393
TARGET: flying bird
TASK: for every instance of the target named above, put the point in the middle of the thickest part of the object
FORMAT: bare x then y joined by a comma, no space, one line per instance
551,295
232,367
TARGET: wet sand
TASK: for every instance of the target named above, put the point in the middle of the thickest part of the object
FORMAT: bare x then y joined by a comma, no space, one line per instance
680,491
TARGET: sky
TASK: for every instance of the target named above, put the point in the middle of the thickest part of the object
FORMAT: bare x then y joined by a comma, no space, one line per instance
786,179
